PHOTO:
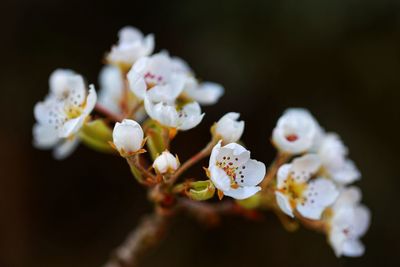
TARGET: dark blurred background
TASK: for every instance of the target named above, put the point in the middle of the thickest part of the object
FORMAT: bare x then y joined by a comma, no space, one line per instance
338,58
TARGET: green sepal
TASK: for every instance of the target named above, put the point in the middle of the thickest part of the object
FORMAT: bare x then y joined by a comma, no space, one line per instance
97,135
251,203
199,190
157,137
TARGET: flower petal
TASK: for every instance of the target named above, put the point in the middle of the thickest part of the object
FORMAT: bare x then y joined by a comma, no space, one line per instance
284,203
242,192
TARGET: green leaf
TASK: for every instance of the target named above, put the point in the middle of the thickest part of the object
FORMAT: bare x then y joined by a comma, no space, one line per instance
157,137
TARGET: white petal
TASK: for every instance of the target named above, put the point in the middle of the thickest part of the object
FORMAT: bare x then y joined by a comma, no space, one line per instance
283,174
191,116
304,167
219,178
353,248
206,93
65,148
346,174
111,88
284,203
320,194
228,128
90,101
252,174
348,197
44,137
332,151
242,192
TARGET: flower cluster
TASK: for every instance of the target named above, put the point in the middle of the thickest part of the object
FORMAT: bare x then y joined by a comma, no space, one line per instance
146,98
315,184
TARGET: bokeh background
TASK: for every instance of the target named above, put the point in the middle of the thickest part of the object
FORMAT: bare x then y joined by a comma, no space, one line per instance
338,58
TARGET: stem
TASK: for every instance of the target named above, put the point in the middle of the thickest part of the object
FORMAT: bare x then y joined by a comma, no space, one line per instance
193,160
108,113
280,159
144,237
136,166
316,225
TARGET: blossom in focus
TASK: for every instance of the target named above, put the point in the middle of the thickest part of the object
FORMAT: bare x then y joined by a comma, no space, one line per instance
128,137
296,190
205,93
229,128
233,173
182,118
63,113
296,131
155,76
348,223
132,45
166,163
333,154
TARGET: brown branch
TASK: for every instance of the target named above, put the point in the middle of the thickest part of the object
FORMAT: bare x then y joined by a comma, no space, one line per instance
146,236
206,151
273,169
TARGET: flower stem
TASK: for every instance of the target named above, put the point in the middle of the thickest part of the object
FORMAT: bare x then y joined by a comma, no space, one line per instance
108,113
193,160
141,173
280,159
144,237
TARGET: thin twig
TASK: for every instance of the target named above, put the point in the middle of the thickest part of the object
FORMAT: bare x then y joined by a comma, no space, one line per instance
193,160
280,159
144,237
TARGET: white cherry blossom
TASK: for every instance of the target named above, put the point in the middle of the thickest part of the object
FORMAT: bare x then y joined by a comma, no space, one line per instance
296,189
166,163
233,173
63,112
296,131
111,90
229,128
155,76
184,118
131,46
128,137
333,154
348,223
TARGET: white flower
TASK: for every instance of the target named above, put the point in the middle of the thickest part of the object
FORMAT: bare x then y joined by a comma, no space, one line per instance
296,131
333,154
166,162
128,137
111,88
229,128
296,189
348,223
63,112
188,117
155,76
205,93
131,46
233,173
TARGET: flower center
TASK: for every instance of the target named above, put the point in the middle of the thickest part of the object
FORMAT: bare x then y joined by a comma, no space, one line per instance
153,79
292,137
230,169
294,191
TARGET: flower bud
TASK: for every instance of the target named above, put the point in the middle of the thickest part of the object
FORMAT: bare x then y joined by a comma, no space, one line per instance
166,162
229,128
128,137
